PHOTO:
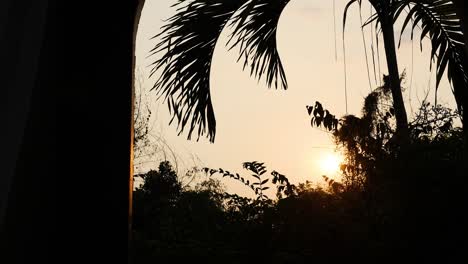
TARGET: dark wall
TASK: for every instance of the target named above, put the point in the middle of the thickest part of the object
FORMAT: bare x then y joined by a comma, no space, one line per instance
28,212
69,192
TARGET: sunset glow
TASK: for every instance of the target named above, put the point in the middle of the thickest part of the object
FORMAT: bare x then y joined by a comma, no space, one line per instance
251,131
330,163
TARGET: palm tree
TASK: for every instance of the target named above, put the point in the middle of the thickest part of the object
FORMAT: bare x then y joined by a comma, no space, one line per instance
189,38
188,42
384,13
442,22
461,11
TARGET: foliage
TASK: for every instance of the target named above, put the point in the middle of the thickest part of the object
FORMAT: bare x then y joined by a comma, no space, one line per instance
155,199
367,214
399,187
387,200
162,183
321,116
368,141
258,187
208,223
188,40
149,145
440,23
434,123
255,32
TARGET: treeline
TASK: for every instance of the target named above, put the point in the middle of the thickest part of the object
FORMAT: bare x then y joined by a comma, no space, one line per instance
205,222
390,202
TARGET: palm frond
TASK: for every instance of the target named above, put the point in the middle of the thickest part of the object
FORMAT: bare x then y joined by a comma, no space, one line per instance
188,41
255,27
439,21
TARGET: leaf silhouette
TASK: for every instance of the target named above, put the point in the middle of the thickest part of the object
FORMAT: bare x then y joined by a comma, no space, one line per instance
255,34
309,109
439,22
188,40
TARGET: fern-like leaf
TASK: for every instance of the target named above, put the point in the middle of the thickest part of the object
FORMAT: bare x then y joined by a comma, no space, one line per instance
255,26
188,41
439,22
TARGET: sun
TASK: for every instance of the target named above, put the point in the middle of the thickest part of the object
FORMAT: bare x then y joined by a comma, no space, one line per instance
330,163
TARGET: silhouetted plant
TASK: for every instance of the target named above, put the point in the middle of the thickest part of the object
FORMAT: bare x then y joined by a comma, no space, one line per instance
283,187
258,169
188,41
433,122
389,182
439,22
189,37
386,200
335,186
155,199
322,116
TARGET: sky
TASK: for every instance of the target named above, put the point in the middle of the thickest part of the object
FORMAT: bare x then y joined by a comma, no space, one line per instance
272,126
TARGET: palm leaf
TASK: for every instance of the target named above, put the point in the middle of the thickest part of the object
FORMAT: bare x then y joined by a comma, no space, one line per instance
188,41
440,23
255,27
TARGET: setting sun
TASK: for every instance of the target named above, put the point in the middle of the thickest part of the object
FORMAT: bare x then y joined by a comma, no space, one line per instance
330,163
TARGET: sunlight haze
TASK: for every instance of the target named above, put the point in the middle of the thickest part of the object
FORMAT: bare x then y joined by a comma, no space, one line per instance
255,123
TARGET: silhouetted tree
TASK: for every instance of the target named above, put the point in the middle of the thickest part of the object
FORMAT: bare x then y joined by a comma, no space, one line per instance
189,38
398,190
159,193
442,22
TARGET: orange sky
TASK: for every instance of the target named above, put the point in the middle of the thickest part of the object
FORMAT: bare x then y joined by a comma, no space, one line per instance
256,123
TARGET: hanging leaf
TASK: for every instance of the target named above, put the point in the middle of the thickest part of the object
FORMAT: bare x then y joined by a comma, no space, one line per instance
187,42
309,109
440,23
345,13
255,27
